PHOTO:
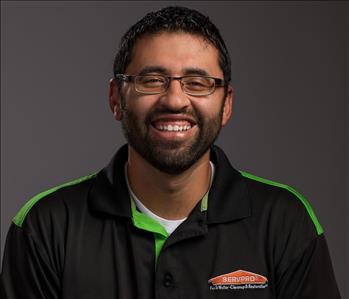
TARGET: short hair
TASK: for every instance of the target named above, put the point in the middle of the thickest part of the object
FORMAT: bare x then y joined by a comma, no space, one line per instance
172,19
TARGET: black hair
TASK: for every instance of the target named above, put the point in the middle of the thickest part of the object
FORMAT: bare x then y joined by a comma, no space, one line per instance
172,19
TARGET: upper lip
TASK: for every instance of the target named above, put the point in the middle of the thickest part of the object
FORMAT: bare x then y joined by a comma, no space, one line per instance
174,117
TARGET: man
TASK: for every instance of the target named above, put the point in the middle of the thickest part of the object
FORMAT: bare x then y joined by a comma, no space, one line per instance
169,217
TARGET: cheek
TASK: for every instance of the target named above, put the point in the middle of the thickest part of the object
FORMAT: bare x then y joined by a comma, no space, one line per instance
139,105
209,108
133,100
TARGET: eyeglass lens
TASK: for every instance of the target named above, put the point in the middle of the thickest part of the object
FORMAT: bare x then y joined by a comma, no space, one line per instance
194,85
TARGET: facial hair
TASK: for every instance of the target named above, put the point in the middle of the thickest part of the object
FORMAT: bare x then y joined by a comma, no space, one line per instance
171,157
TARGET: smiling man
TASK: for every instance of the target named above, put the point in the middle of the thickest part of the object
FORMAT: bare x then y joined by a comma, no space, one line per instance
169,217
171,113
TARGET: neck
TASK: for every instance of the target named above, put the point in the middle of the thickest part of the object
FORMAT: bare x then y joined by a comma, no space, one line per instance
166,195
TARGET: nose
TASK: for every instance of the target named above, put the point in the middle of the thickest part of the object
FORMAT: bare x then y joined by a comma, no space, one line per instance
175,98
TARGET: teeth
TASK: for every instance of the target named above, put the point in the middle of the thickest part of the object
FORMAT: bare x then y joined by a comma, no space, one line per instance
175,128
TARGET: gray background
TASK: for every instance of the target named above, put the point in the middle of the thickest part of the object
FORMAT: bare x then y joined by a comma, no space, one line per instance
290,118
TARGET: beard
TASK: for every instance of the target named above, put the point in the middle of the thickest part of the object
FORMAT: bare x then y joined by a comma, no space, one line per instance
175,156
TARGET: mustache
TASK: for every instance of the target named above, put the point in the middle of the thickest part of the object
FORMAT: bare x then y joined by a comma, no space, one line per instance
158,112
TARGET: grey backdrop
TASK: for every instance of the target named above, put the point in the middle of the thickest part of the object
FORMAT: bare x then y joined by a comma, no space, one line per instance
290,118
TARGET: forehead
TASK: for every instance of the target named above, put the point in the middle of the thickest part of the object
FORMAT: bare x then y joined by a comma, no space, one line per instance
176,53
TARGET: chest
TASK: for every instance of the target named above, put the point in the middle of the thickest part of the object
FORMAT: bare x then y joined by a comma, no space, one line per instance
118,260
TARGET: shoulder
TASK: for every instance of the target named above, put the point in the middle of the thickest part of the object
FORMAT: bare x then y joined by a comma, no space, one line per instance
281,201
54,203
284,217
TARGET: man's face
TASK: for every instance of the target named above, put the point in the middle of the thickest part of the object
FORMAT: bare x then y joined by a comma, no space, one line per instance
172,130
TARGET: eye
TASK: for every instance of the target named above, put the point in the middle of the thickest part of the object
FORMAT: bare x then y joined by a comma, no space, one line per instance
197,83
151,80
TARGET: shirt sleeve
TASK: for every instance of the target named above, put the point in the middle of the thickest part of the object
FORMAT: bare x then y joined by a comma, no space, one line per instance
26,271
310,275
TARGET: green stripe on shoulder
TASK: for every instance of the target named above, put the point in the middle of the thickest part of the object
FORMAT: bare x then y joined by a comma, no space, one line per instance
310,211
19,218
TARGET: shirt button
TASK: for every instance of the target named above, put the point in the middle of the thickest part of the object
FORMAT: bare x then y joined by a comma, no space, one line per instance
168,280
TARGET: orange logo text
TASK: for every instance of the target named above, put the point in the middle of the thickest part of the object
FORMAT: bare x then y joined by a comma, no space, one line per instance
239,277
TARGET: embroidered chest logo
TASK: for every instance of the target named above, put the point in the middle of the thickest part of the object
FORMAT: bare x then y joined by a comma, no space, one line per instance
238,280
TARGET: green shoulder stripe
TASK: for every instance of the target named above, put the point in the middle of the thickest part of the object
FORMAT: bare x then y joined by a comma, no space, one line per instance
293,191
19,218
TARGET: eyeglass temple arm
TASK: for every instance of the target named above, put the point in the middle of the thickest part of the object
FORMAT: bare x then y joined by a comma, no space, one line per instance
123,77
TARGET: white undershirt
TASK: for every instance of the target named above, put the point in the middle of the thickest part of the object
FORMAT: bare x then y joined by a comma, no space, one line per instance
169,225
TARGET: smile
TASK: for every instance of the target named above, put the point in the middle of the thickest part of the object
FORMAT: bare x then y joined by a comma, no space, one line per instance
174,124
173,128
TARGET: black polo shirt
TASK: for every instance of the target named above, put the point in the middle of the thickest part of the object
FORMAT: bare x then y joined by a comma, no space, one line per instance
250,238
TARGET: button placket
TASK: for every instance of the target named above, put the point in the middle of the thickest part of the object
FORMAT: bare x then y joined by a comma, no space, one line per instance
168,280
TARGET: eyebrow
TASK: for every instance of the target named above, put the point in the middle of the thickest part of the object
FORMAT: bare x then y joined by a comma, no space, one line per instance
195,71
161,70
153,69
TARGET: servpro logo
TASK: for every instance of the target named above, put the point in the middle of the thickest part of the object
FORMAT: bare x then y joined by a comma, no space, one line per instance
238,280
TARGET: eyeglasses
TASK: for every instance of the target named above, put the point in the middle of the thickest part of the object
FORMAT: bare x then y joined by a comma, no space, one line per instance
191,85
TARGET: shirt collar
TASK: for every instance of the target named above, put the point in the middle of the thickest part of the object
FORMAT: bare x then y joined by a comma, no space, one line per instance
227,200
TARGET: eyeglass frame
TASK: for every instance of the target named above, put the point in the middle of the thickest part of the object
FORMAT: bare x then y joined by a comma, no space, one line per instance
132,78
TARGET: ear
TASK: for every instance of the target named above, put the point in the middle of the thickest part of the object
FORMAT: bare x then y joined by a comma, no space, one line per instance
228,105
114,99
